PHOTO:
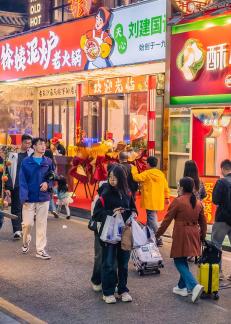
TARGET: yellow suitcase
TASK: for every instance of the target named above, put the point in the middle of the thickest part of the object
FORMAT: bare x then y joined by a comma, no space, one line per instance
208,276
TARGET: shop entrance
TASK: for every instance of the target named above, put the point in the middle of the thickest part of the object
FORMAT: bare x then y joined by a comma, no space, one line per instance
120,117
58,117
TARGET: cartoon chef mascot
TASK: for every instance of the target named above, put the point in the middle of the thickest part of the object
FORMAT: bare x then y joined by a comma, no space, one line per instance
97,43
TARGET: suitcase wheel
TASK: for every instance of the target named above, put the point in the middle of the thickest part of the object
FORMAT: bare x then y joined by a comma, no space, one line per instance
140,273
216,296
157,271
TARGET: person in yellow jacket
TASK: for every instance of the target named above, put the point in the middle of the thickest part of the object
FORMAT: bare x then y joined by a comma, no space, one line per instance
154,191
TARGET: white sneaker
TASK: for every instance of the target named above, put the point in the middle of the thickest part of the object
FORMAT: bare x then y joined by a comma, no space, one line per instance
96,288
125,297
182,292
196,292
26,247
109,299
43,255
17,235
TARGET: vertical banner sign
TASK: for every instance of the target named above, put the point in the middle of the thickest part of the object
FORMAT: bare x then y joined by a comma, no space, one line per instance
78,107
151,114
38,11
209,207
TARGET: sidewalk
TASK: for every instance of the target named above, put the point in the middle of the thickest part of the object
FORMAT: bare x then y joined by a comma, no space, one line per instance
6,319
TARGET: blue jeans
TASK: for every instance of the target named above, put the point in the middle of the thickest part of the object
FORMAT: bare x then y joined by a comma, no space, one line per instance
152,220
52,206
187,279
113,253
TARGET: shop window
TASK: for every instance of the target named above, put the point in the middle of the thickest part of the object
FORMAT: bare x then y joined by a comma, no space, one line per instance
58,117
57,15
92,121
115,120
180,125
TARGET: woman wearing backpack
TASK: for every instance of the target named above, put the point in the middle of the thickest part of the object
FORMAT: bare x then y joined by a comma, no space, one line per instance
114,198
188,232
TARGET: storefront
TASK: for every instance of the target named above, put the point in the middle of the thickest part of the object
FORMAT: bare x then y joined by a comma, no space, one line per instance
200,113
102,75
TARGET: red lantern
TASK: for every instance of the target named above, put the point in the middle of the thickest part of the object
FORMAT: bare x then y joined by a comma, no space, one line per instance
191,6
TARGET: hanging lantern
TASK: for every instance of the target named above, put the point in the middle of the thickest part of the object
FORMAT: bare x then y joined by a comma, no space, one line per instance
80,8
190,6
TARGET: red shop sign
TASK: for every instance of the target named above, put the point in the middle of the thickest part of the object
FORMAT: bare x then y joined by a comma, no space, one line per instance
201,62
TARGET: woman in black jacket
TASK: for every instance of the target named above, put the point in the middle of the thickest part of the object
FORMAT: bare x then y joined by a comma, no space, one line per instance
115,198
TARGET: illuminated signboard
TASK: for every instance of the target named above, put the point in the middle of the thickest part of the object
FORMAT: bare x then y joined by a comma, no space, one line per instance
38,13
201,62
190,6
136,35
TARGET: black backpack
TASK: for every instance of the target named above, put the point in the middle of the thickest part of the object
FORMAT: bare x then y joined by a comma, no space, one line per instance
210,253
226,208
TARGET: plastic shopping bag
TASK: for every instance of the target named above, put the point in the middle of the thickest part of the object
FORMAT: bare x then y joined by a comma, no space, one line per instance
118,227
139,236
107,234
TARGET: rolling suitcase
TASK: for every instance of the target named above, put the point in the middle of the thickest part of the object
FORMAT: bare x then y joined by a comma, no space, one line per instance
147,259
208,276
208,271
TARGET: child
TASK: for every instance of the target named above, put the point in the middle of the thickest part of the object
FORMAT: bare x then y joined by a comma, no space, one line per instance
63,195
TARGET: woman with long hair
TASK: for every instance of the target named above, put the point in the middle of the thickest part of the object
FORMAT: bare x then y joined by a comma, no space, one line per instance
191,170
188,233
114,198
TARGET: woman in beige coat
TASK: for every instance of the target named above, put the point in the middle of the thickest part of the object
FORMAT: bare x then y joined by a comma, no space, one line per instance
188,232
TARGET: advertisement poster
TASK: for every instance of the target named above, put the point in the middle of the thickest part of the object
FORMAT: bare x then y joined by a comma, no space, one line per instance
129,35
201,62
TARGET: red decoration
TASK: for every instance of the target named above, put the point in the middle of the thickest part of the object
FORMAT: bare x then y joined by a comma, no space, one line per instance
80,8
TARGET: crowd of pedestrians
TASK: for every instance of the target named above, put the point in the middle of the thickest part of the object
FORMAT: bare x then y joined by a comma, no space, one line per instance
32,184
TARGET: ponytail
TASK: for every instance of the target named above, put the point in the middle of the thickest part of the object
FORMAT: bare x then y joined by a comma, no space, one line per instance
193,200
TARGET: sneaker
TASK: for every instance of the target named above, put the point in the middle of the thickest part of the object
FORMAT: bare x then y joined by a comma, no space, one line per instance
125,297
68,217
43,255
17,235
109,299
56,215
178,291
26,247
96,288
196,292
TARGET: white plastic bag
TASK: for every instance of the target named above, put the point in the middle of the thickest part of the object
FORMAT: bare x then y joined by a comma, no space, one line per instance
139,236
118,227
108,230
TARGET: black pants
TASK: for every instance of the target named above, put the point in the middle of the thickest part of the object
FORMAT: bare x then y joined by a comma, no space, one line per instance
16,209
112,254
97,270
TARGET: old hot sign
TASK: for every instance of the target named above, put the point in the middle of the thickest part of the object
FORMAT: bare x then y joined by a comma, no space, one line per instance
201,62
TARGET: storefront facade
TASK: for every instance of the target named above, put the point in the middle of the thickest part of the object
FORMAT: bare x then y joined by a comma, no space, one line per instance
200,113
102,75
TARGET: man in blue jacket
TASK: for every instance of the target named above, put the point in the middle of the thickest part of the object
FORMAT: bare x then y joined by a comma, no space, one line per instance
35,196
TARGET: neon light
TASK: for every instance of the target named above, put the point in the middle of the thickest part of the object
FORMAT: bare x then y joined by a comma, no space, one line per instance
80,8
201,100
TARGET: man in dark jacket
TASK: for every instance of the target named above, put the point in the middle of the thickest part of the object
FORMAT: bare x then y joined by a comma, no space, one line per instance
123,160
35,196
222,198
16,159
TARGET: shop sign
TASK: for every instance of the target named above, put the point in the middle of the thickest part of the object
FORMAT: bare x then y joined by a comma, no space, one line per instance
38,13
135,35
201,62
118,85
190,6
61,91
209,207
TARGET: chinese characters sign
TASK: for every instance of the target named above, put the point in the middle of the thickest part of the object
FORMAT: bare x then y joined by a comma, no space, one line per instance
57,92
209,207
138,35
190,6
201,64
118,85
139,32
